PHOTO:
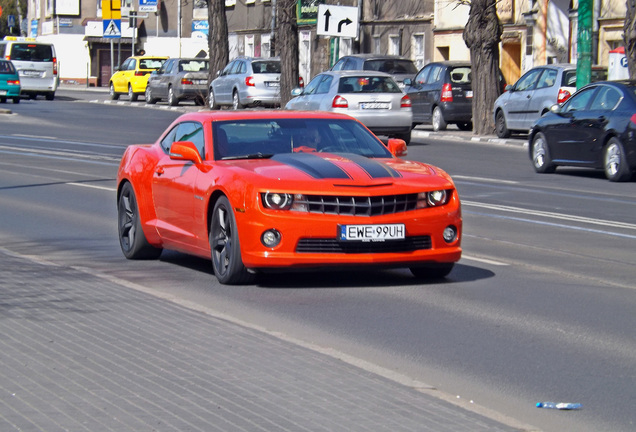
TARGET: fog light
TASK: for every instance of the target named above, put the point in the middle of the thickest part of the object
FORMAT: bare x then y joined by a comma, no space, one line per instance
450,234
271,238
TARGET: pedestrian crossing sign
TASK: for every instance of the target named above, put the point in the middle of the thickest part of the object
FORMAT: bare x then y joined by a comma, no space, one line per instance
112,28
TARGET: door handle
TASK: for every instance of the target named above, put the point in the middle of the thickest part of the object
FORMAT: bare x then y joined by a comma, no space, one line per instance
159,171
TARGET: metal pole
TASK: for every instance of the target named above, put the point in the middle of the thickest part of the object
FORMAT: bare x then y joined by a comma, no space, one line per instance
584,44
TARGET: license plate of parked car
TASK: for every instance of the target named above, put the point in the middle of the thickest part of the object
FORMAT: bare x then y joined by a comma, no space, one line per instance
375,105
379,232
469,93
272,84
30,73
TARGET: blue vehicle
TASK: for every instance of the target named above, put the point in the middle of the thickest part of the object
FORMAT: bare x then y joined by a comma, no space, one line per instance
9,82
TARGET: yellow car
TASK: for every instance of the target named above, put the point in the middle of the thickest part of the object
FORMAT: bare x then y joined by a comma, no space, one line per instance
132,76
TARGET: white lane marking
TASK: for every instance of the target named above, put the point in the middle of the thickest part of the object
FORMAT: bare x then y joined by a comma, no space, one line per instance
550,215
484,179
484,260
93,186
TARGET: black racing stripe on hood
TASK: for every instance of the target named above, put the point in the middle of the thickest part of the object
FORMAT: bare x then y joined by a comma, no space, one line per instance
372,167
313,165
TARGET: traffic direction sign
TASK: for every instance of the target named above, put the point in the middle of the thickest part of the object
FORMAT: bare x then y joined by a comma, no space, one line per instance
337,21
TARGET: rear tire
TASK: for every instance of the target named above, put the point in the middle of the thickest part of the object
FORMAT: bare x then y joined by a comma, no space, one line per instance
49,96
615,163
149,99
212,101
131,95
405,136
172,99
500,125
132,239
236,102
465,126
439,123
541,160
16,100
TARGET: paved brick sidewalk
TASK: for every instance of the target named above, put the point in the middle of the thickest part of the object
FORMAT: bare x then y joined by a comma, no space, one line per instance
80,353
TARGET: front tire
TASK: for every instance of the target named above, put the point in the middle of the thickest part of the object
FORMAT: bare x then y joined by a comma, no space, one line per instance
500,125
405,136
465,126
113,94
132,239
212,101
439,123
16,100
224,246
541,160
615,163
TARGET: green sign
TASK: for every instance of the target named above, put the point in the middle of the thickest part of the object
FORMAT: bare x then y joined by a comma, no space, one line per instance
307,11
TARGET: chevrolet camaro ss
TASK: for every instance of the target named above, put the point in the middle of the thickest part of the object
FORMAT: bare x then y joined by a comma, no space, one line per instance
279,190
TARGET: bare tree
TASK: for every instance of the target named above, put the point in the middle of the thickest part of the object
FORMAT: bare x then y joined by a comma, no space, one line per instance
218,45
482,35
287,47
629,37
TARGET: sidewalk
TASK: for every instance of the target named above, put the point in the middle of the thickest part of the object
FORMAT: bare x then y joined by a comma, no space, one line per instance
83,353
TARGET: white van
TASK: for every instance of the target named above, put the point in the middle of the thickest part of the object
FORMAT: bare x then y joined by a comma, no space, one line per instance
36,63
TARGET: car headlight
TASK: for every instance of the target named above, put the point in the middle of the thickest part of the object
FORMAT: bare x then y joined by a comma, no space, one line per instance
285,201
433,198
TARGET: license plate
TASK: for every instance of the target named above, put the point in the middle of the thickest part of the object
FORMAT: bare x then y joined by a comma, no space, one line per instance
469,93
375,105
380,232
272,83
200,82
30,73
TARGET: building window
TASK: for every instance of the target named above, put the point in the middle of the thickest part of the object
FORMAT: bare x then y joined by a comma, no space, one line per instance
394,44
376,45
418,50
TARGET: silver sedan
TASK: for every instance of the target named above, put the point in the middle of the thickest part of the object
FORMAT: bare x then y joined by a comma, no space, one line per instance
374,98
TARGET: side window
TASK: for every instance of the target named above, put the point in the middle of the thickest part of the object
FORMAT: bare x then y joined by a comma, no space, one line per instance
421,77
124,65
193,132
529,80
548,78
227,69
167,141
606,99
132,64
323,86
580,100
3,48
165,67
240,68
436,75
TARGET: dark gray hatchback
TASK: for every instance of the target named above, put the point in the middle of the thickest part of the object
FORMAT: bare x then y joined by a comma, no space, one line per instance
441,93
400,68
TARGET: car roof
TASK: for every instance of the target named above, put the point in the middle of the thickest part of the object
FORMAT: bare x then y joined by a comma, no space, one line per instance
369,56
221,115
349,73
255,58
450,63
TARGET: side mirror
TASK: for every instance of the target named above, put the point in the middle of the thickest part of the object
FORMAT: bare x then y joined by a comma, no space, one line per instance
508,88
556,108
297,91
185,151
407,82
397,147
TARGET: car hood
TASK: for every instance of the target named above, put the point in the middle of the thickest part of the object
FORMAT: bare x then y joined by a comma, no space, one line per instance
344,169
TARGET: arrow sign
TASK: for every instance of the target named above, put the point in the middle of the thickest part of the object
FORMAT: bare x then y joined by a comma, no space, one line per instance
337,21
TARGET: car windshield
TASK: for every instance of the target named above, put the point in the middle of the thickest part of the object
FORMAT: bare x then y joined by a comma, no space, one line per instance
266,66
393,67
372,84
193,66
264,138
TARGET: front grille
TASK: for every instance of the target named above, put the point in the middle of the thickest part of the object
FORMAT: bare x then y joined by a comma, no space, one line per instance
359,206
331,245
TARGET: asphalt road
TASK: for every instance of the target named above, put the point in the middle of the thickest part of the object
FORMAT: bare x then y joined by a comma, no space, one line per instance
541,306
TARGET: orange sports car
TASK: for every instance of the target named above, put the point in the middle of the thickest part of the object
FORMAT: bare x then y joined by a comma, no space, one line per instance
277,190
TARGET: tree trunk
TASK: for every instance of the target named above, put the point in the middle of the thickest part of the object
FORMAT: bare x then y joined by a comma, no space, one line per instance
629,37
482,35
218,45
287,47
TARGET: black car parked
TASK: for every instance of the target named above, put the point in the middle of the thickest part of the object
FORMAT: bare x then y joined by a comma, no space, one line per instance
595,128
442,93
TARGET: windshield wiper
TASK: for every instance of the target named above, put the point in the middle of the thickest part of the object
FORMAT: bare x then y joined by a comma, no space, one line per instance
250,156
